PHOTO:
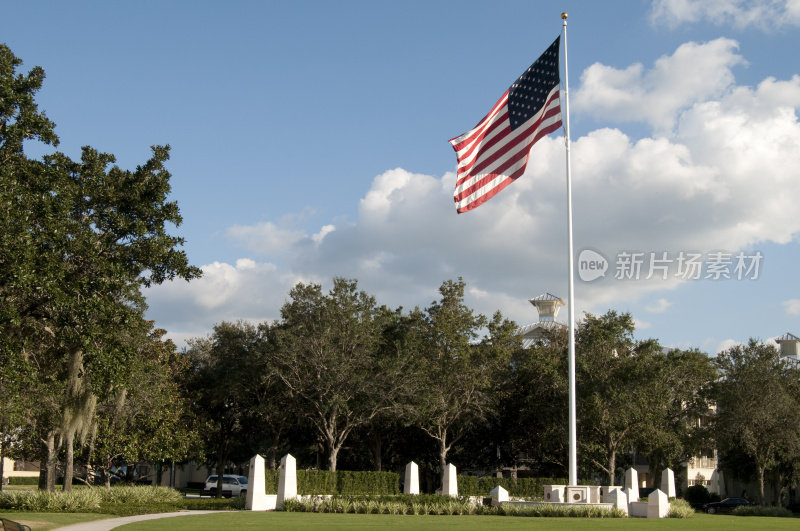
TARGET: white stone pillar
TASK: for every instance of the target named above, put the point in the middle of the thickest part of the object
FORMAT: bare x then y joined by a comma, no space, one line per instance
668,482
657,504
450,481
632,485
618,499
411,480
499,495
606,492
554,493
287,485
256,499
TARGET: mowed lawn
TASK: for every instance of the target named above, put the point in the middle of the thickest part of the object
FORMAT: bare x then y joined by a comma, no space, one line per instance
281,520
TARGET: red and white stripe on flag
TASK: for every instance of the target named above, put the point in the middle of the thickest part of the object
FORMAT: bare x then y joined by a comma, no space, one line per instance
492,155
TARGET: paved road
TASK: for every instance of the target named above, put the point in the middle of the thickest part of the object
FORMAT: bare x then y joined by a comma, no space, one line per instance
111,523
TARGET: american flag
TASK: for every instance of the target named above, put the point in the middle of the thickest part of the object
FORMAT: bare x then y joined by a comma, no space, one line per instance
495,153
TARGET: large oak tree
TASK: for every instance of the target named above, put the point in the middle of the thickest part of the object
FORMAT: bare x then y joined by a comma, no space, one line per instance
78,241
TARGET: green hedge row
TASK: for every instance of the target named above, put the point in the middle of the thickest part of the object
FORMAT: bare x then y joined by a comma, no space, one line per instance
14,480
348,483
342,482
517,487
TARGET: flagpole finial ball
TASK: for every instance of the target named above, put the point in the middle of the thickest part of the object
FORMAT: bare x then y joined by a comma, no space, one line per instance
564,15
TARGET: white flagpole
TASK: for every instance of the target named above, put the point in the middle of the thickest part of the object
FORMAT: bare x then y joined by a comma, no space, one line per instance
573,452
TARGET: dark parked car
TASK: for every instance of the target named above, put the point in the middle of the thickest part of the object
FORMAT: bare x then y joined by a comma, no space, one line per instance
725,506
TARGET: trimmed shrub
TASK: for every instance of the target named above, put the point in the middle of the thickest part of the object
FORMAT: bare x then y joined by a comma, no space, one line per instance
470,486
316,482
680,509
697,496
374,483
757,510
529,488
346,483
272,477
23,481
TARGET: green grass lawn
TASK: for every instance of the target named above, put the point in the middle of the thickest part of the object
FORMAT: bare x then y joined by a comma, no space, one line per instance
44,521
281,520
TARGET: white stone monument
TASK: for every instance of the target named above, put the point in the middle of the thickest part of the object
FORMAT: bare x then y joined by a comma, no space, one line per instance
632,484
411,481
668,482
657,504
576,494
256,499
618,499
287,485
449,481
499,495
554,493
606,492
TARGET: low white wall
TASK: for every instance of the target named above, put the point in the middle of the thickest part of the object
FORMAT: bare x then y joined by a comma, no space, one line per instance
637,509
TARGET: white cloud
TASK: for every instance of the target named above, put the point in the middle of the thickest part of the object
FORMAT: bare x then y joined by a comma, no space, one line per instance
324,231
792,306
266,237
660,306
245,290
763,14
726,344
694,72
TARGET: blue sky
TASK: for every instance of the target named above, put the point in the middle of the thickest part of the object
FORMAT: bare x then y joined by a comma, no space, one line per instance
309,139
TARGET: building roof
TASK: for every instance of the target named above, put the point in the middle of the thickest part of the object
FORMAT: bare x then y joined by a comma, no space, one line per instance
535,331
787,337
546,297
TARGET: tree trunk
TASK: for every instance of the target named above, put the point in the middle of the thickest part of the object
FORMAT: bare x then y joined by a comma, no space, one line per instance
333,455
612,466
443,448
42,474
69,461
222,455
333,446
2,463
221,458
52,461
377,451
760,472
90,472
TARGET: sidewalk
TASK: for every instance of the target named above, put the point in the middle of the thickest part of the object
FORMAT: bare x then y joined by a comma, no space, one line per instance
111,523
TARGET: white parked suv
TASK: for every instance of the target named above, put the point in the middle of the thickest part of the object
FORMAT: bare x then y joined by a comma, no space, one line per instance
231,485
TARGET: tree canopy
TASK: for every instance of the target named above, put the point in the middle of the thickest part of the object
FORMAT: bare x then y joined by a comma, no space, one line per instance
80,239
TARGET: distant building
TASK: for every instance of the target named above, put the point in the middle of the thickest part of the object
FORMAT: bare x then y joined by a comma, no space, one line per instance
790,348
19,469
547,305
